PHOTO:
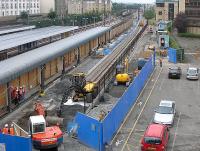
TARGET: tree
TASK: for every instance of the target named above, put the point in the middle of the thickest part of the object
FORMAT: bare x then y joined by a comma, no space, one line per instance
149,14
52,14
24,16
181,22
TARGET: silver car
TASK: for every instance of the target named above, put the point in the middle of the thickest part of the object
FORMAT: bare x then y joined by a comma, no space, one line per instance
165,113
193,73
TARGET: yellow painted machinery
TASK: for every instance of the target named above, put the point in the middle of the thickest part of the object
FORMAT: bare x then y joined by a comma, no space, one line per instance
83,90
122,76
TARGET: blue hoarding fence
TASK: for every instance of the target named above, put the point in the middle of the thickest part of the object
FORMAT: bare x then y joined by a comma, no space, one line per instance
96,134
111,124
172,55
15,143
89,131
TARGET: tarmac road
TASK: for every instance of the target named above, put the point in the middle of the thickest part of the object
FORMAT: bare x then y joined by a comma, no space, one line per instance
185,134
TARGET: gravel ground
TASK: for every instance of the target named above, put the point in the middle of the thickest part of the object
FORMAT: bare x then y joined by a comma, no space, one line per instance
191,47
54,96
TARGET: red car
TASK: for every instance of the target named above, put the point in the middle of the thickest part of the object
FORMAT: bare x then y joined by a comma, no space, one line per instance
155,138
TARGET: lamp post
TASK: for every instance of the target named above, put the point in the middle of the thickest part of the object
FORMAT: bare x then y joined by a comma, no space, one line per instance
94,21
73,22
85,19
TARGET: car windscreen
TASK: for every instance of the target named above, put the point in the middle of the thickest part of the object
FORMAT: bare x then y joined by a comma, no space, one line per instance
164,110
192,72
173,70
38,128
152,140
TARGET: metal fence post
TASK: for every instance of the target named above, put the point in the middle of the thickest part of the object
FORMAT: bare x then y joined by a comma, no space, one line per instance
101,145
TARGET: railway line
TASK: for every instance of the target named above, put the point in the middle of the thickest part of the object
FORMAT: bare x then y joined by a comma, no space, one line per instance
103,72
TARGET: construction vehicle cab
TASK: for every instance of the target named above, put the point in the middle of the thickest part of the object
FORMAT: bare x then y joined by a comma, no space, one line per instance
83,90
44,137
122,76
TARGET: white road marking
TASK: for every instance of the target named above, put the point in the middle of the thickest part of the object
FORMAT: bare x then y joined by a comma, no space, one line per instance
162,82
132,107
141,111
176,132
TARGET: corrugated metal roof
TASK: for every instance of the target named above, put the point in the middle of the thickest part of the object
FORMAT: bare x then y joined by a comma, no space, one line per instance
11,29
17,39
16,66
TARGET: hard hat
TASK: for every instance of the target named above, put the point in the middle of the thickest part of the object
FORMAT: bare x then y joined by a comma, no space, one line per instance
6,125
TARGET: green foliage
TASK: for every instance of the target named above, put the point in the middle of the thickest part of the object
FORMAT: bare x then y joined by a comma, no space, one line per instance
169,28
69,20
149,14
189,35
24,15
52,14
181,22
173,43
118,8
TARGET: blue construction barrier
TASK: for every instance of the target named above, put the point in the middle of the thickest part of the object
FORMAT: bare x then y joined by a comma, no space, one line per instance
16,143
111,124
96,134
89,131
172,55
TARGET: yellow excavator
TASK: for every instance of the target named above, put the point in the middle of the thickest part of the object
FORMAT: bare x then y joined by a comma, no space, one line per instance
83,89
122,76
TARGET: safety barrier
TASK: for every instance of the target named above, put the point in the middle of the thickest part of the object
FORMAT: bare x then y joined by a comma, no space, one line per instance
172,55
96,134
15,143
111,124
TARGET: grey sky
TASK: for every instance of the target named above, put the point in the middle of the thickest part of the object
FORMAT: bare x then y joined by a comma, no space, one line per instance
133,1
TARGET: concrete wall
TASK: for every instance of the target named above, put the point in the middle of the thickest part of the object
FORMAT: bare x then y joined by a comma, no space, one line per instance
46,6
182,6
195,30
165,10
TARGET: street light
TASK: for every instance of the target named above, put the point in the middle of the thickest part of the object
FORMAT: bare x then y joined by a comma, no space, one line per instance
73,22
94,21
85,19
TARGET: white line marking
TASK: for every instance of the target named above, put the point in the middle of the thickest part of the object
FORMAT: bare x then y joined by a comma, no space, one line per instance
162,82
176,132
132,107
141,111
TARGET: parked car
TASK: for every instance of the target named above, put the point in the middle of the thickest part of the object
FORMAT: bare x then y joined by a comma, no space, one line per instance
174,72
165,113
155,138
193,73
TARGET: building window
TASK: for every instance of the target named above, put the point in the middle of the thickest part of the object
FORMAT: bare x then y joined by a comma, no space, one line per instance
160,13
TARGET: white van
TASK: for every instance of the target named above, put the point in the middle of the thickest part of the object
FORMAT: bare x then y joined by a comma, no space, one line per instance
193,73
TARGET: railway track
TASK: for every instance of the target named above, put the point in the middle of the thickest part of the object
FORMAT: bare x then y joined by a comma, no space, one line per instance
103,67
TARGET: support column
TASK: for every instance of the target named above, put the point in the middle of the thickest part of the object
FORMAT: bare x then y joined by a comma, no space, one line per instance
63,61
105,39
98,43
8,97
78,55
42,84
90,50
109,36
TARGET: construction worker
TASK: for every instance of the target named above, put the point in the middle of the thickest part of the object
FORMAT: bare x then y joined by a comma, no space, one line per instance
12,132
21,94
160,60
5,130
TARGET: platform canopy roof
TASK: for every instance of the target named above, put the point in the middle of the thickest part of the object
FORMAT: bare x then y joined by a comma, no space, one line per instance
21,38
14,67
